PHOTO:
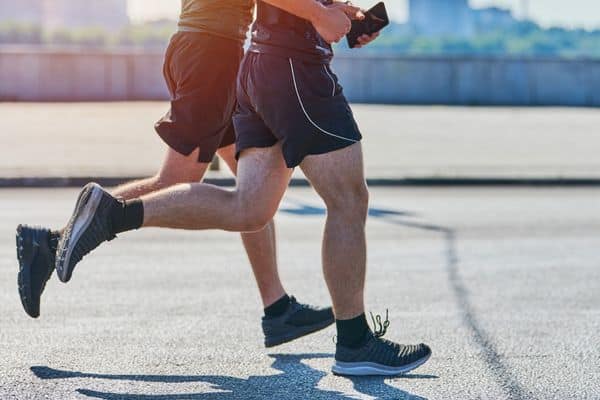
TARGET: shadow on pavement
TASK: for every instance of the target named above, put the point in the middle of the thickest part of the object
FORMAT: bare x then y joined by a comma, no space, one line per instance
495,361
298,381
299,208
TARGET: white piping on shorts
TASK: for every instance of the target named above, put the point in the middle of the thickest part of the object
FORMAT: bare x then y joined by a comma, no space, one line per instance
332,80
306,113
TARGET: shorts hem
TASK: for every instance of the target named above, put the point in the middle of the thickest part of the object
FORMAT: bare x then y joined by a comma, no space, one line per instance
184,149
296,161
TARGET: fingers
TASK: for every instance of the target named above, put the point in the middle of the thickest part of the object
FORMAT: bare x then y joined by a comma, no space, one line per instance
350,10
353,12
341,7
366,39
335,39
362,40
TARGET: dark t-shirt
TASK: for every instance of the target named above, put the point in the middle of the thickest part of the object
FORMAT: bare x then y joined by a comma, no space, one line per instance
281,33
226,18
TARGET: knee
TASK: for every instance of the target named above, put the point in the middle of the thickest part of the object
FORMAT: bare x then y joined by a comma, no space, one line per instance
351,200
360,197
253,218
251,222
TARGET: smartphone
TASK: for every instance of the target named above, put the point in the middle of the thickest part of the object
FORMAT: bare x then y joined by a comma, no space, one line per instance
375,20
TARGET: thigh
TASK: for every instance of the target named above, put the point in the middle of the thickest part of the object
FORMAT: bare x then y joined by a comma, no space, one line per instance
336,174
227,153
262,178
177,168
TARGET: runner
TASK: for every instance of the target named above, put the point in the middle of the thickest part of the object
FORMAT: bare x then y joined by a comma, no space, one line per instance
292,112
200,69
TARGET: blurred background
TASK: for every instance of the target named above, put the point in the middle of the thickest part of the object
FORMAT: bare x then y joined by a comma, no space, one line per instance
436,51
440,53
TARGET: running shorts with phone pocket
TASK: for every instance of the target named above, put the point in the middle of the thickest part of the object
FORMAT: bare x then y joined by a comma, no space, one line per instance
298,103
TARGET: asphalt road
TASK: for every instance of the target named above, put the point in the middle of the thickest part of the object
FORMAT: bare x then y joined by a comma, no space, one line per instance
504,284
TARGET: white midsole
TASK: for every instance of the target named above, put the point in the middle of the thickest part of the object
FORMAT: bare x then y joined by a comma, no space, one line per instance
368,368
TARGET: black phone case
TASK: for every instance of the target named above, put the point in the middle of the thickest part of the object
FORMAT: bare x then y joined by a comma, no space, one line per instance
375,20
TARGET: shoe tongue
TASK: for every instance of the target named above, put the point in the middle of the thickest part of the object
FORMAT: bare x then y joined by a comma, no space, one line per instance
369,335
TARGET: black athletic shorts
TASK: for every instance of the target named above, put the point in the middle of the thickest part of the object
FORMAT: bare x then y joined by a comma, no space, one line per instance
201,71
297,103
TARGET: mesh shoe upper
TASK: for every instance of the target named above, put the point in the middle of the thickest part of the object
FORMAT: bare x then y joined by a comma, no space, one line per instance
297,321
375,349
36,257
89,227
299,314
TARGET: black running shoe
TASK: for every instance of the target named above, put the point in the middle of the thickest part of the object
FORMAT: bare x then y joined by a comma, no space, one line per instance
299,320
378,356
89,226
36,257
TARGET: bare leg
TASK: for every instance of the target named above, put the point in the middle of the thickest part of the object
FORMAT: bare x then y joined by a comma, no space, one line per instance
262,180
260,246
175,169
261,249
339,179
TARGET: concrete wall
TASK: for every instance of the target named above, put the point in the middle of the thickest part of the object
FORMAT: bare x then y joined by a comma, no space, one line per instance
471,81
71,76
61,75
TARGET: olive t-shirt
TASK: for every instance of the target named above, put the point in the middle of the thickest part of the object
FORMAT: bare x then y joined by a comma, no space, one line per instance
226,18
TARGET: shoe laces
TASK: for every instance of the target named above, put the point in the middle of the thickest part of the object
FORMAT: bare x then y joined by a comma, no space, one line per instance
380,328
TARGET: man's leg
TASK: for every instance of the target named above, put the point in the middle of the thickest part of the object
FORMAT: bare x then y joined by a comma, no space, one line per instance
261,248
176,168
338,177
262,180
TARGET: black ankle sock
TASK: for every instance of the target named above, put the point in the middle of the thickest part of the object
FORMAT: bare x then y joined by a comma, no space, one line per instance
127,216
351,332
278,308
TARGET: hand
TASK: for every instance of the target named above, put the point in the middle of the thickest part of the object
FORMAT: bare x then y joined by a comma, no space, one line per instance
333,22
353,12
365,40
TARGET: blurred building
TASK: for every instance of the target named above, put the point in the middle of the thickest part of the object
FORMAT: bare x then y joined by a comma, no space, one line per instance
492,18
23,11
55,14
456,18
441,17
108,14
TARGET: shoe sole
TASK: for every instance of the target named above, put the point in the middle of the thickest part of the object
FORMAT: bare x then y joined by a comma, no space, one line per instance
297,334
84,213
24,236
374,369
